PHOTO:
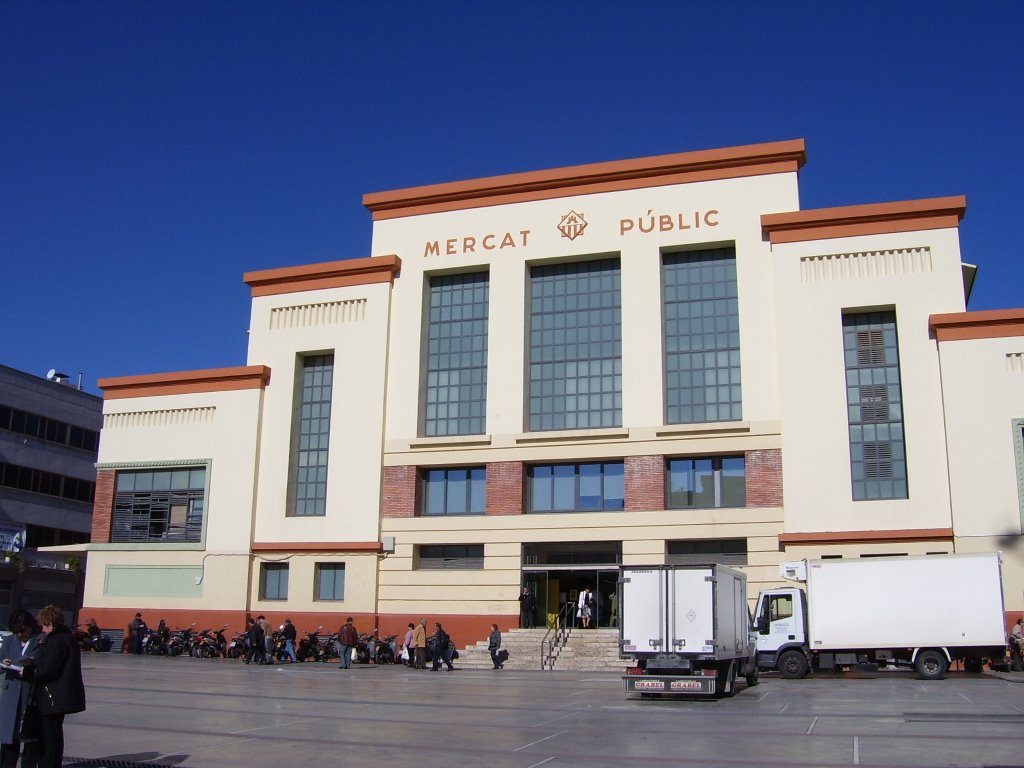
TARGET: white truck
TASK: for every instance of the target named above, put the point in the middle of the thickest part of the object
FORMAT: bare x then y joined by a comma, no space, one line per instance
686,629
923,612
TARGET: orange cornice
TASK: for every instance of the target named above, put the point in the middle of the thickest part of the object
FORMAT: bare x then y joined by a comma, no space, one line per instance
330,274
186,382
317,546
679,168
852,537
872,219
988,324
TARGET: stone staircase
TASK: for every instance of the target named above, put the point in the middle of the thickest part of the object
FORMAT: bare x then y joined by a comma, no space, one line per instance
585,650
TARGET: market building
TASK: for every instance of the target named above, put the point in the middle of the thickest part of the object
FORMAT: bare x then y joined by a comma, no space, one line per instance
538,377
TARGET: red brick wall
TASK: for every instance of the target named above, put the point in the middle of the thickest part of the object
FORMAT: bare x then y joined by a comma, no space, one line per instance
399,493
764,478
645,482
505,488
103,506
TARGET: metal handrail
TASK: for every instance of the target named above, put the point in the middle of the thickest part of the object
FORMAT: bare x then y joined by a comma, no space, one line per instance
556,636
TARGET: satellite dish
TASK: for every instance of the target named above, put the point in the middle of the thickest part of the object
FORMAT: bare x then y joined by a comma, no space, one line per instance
51,373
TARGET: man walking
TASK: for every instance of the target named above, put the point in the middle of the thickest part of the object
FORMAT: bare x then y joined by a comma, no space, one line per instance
527,607
440,642
289,634
348,638
257,649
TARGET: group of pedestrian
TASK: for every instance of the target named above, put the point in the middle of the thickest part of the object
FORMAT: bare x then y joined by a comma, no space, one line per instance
416,647
41,683
260,638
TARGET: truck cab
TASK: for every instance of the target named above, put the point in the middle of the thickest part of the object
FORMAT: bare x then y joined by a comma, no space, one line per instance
781,624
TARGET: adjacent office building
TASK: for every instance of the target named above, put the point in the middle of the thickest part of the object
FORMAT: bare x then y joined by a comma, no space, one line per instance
538,377
49,434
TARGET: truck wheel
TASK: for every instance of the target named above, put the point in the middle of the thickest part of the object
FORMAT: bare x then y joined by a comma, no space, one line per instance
793,665
973,664
752,677
930,665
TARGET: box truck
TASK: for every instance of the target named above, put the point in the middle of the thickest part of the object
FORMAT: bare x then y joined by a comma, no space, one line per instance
921,612
686,629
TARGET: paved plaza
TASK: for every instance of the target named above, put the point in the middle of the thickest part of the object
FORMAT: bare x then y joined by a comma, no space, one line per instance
222,714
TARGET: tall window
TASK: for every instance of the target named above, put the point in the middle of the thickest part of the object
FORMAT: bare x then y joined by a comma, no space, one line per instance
458,491
874,406
330,581
575,346
159,505
702,337
576,487
1018,450
274,581
313,435
714,481
456,371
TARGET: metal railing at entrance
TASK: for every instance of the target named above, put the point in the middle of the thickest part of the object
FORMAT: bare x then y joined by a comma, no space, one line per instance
557,636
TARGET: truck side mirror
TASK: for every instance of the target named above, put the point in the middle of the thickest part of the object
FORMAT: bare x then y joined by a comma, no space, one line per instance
761,625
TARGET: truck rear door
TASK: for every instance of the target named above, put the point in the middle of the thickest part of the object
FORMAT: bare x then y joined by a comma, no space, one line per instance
643,613
691,619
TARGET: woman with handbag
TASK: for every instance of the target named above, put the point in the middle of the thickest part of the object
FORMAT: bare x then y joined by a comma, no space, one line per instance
59,690
16,725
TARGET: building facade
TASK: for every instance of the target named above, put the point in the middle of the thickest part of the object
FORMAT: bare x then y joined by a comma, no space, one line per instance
49,436
541,376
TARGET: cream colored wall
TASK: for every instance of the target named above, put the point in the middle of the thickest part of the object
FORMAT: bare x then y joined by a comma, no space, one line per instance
739,203
360,584
218,427
224,586
816,460
983,392
357,334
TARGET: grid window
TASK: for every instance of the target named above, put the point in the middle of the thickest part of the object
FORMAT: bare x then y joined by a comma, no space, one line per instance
575,346
874,406
443,557
159,505
456,365
313,435
713,481
457,491
702,337
706,551
330,581
274,581
594,487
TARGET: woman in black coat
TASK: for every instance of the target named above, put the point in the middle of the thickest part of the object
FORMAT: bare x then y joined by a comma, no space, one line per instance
59,689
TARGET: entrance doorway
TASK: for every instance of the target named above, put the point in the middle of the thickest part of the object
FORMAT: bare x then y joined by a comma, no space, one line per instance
558,572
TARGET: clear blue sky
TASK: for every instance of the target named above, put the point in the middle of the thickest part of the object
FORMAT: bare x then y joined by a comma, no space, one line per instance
152,152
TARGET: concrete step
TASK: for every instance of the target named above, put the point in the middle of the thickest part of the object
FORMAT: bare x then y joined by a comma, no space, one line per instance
585,650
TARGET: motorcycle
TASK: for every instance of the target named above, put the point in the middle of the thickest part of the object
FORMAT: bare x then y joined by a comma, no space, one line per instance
90,639
178,641
209,644
309,646
238,647
387,650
